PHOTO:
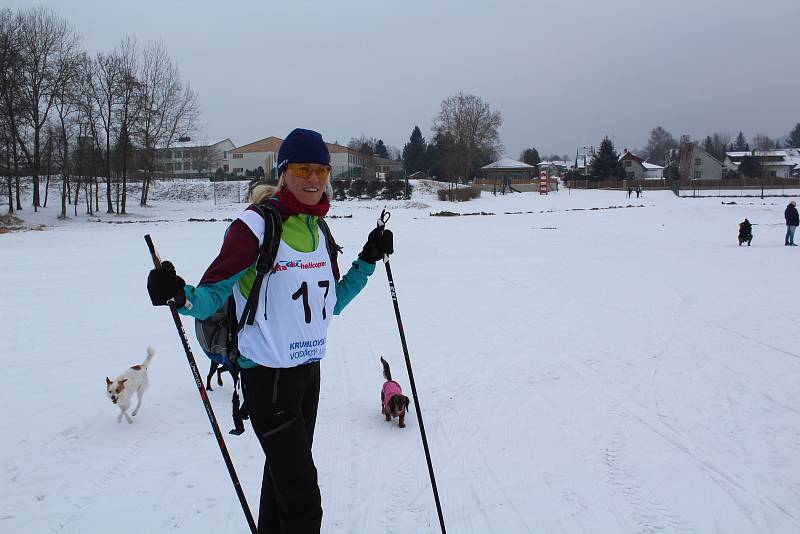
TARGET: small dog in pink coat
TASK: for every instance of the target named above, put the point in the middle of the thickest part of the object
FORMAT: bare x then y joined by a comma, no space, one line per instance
393,402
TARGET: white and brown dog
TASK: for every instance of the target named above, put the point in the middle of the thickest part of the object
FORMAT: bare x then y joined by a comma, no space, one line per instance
393,402
133,380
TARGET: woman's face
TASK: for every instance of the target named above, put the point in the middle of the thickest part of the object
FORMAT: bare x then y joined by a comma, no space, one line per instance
306,181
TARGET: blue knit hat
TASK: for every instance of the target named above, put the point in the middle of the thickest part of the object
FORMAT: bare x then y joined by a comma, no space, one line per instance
303,146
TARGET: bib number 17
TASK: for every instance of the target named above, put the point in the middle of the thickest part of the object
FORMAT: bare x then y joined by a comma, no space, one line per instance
303,292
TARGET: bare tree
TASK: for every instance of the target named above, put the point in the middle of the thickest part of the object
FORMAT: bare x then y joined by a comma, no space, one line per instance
660,142
763,142
181,112
717,144
473,127
168,109
206,159
46,40
10,65
66,103
127,111
104,86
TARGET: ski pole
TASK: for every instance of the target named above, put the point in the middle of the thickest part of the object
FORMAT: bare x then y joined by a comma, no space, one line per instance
209,410
382,220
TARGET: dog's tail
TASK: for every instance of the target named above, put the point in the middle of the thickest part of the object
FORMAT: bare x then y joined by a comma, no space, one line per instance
387,374
150,353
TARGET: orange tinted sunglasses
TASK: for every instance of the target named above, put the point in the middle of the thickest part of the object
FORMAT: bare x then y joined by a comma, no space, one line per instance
304,170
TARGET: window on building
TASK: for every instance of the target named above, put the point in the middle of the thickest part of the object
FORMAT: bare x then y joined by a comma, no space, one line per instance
628,163
631,174
697,174
238,156
773,173
697,161
238,169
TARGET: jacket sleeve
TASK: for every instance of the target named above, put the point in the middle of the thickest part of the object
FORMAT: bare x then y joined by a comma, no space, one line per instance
239,252
352,283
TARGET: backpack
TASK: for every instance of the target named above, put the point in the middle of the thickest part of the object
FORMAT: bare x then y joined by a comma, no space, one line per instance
218,334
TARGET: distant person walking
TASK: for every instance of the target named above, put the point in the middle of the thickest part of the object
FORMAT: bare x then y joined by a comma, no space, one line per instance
629,192
792,220
638,191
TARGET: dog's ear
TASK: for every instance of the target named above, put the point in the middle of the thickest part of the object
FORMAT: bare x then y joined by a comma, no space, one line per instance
108,382
122,382
405,402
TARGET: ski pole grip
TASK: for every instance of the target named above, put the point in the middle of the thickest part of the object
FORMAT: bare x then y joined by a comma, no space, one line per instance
383,218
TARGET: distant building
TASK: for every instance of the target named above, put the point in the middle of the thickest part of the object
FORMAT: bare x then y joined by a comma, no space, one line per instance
697,164
782,163
510,169
637,168
346,162
554,167
194,156
633,165
653,171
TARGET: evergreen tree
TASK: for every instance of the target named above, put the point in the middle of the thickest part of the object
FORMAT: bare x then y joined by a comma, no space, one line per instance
414,152
750,167
530,156
793,139
380,149
740,145
708,145
606,164
365,148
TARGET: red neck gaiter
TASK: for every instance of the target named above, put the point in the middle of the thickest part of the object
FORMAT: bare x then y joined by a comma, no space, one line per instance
289,205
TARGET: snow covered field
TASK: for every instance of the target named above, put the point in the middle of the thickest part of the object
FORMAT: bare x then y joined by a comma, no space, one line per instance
580,370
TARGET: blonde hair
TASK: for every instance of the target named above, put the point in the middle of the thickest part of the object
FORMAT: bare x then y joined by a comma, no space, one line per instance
262,192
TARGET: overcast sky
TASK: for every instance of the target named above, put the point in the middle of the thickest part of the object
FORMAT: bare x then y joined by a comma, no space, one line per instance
563,73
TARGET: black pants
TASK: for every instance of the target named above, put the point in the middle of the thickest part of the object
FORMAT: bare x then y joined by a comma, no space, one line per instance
282,404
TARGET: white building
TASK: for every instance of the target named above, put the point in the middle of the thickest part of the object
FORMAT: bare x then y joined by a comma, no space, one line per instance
189,156
774,163
653,171
345,162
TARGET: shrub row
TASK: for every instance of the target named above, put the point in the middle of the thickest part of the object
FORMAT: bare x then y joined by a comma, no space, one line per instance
460,194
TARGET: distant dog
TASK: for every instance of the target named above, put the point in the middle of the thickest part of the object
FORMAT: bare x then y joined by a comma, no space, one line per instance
393,402
122,389
745,232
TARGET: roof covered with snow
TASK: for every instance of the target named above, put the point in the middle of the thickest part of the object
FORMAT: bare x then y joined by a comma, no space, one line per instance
507,163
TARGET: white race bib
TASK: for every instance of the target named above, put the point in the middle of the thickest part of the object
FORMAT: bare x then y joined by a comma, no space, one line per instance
298,296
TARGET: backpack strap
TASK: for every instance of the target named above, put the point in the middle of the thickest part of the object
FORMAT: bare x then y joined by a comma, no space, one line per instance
273,226
333,248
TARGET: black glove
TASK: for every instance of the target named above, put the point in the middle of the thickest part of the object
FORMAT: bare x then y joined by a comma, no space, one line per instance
164,284
379,242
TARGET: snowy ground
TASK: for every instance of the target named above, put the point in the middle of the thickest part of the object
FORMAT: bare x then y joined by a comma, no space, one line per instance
580,371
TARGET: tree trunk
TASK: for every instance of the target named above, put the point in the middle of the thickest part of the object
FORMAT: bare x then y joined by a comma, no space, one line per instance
64,187
77,193
9,181
46,188
37,159
96,195
108,173
16,175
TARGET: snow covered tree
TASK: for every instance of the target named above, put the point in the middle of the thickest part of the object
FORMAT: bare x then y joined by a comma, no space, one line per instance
606,164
